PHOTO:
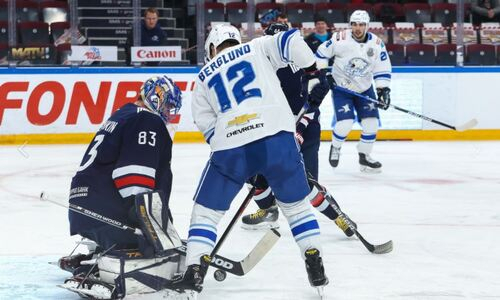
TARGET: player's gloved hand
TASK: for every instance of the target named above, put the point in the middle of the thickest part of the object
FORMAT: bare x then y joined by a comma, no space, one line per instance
299,138
318,93
384,97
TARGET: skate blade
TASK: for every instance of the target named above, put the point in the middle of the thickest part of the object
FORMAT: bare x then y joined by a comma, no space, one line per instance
321,292
262,226
368,170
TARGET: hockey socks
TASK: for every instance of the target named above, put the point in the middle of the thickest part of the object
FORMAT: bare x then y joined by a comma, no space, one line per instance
303,224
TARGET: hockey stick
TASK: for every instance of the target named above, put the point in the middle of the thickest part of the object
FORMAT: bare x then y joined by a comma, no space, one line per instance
466,126
377,249
238,268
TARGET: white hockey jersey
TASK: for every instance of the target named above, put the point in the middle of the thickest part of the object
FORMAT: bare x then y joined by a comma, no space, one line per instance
357,64
238,98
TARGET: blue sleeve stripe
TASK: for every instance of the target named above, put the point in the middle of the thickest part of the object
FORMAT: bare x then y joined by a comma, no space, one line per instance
285,44
319,55
209,134
382,76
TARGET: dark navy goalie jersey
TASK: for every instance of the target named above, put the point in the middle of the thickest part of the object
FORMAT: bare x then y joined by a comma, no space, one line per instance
130,154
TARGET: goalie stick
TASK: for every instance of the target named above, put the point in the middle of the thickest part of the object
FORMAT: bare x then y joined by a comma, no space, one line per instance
238,268
466,126
377,249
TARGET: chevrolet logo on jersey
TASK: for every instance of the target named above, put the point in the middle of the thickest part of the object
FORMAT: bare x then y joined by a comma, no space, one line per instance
243,119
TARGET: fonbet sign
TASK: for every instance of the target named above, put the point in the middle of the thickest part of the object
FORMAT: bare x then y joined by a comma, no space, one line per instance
167,53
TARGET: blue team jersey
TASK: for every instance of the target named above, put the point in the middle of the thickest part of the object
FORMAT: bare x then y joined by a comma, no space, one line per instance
130,154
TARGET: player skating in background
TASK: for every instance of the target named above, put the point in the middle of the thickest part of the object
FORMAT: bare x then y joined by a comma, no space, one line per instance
307,134
125,176
360,57
244,116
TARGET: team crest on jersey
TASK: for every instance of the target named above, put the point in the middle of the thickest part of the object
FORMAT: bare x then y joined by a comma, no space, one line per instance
370,52
243,119
356,67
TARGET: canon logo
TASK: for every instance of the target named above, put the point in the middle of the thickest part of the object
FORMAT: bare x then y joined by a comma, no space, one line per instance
156,54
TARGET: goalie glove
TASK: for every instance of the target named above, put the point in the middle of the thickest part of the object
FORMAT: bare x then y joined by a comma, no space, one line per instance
384,98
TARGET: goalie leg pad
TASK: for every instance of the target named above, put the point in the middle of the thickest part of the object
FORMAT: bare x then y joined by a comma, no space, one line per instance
155,223
131,273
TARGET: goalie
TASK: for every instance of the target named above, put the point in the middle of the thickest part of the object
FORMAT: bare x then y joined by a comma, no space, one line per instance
125,175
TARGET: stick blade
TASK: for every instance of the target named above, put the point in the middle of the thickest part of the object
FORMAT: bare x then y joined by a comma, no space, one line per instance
383,248
469,125
260,250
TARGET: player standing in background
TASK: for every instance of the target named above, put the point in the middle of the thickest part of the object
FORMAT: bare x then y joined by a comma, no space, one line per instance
307,134
360,57
250,128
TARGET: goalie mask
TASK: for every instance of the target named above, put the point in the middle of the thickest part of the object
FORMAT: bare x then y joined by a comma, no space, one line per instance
162,97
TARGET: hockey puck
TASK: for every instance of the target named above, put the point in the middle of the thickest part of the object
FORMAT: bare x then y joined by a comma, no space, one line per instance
220,275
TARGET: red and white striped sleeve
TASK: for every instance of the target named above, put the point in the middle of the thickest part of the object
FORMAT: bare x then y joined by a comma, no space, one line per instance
134,179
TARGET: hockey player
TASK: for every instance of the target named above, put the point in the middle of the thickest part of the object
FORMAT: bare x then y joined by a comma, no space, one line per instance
250,129
360,57
307,134
125,176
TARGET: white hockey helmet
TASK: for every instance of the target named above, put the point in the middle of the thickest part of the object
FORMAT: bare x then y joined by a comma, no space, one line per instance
360,16
222,33
208,44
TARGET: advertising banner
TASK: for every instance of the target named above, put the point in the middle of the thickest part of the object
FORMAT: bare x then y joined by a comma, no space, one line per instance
93,53
167,53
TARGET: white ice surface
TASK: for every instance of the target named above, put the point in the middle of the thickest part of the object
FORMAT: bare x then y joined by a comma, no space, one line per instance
438,201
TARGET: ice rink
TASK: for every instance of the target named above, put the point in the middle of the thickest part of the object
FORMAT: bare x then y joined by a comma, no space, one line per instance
438,201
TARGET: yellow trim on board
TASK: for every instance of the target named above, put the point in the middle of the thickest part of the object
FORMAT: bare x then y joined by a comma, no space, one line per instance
197,137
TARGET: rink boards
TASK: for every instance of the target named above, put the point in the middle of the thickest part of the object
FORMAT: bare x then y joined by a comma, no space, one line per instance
67,105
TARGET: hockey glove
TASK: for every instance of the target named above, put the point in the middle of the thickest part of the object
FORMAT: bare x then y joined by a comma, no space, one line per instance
384,97
318,93
299,138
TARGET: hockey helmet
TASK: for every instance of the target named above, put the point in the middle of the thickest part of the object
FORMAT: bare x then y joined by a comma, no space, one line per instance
275,28
162,97
360,16
208,44
224,32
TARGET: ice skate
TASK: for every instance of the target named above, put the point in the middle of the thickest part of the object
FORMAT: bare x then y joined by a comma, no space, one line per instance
89,287
316,271
193,278
262,219
341,222
334,156
369,165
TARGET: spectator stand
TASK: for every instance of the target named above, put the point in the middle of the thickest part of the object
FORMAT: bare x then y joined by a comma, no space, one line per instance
404,33
490,33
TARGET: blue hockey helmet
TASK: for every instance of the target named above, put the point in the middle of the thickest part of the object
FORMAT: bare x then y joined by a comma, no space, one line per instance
162,97
275,28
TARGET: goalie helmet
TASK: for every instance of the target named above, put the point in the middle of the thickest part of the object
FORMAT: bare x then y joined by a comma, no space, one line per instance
222,33
162,97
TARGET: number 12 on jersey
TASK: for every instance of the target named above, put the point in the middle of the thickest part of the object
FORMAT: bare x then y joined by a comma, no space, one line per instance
239,92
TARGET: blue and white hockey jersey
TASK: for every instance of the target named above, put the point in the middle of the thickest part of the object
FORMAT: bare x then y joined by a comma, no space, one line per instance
130,154
357,64
237,97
